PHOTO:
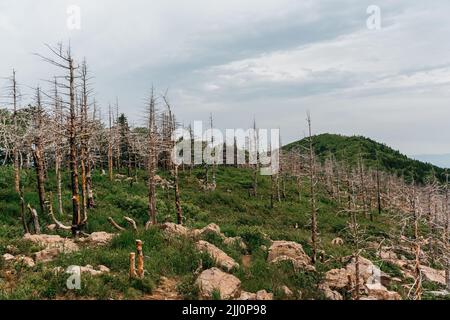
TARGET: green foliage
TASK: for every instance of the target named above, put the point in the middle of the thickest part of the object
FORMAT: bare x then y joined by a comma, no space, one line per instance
348,148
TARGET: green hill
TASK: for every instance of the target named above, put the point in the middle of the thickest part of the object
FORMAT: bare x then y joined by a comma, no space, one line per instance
347,149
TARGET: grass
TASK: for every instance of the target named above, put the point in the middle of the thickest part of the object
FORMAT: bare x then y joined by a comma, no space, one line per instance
230,206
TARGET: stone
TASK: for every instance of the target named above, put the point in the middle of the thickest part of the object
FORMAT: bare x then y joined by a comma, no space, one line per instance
379,292
210,229
103,269
12,249
26,261
100,238
173,229
330,294
229,241
286,291
387,254
336,278
220,257
247,296
290,251
46,255
264,295
433,275
8,257
337,242
371,278
64,245
215,280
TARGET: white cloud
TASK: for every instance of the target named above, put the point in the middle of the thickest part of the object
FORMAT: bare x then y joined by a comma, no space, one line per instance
270,58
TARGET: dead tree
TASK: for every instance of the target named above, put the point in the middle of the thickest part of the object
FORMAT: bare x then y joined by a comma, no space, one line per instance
170,144
38,149
110,146
64,60
14,95
152,160
312,181
255,139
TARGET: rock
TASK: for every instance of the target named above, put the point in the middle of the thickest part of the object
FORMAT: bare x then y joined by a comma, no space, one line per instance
51,227
12,249
221,258
100,238
336,278
103,269
247,296
330,294
26,261
441,293
8,257
211,229
379,292
291,251
90,270
263,248
264,295
433,275
286,291
387,254
214,279
93,272
371,279
337,242
53,246
46,255
235,240
173,229
53,241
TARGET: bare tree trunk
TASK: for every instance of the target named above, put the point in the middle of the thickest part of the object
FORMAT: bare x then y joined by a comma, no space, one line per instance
177,197
22,213
38,152
15,142
151,168
76,217
35,219
110,147
312,178
378,191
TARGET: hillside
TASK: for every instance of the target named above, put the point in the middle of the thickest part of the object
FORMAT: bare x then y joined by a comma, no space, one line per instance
175,260
347,149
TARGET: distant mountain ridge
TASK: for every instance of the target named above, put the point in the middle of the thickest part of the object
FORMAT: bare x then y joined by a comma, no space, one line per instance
345,148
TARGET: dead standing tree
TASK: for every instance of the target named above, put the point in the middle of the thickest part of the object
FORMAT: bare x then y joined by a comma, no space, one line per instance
152,160
15,95
169,145
63,59
38,148
312,182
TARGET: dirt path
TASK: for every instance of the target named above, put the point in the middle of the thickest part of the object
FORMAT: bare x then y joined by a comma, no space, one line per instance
167,290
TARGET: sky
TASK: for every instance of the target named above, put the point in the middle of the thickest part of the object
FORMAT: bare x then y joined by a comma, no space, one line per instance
272,60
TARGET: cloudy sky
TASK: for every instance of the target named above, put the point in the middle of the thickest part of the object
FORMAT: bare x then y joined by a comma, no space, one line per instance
269,59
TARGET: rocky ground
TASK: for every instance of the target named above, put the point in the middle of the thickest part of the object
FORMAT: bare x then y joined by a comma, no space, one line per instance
219,282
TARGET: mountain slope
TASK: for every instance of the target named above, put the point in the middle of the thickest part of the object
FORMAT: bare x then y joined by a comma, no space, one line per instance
347,149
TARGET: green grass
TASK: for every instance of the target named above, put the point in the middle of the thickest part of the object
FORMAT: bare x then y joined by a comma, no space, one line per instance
230,206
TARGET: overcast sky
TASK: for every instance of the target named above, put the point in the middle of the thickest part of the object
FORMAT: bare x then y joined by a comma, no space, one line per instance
269,59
